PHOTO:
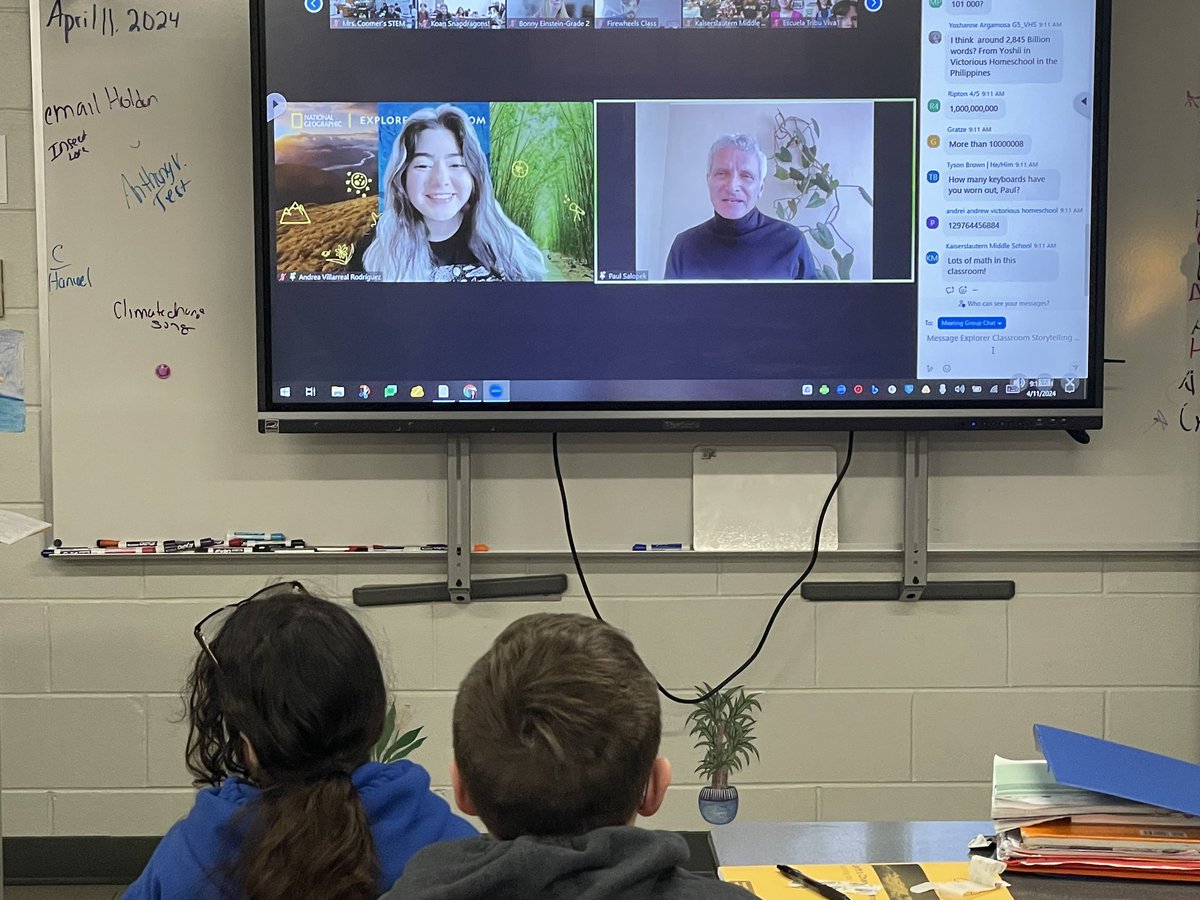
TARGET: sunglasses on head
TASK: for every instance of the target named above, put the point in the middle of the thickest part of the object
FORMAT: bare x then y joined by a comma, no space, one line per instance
215,619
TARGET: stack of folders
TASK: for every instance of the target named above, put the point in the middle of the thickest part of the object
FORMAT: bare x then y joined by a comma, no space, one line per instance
1094,807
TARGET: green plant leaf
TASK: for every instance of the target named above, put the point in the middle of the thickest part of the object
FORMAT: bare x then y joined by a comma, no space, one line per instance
828,273
837,257
815,201
407,750
385,736
783,155
409,736
823,235
402,746
781,173
844,266
795,174
866,196
816,128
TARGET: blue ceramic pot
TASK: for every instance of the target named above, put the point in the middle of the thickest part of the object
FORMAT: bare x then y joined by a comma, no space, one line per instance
718,806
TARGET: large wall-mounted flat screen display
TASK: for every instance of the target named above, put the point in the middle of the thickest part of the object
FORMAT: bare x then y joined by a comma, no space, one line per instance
679,214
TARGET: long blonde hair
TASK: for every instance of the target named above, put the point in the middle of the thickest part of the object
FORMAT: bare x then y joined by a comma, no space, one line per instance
544,12
400,251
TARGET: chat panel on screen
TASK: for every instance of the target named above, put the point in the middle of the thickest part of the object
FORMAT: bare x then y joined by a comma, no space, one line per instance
743,190
435,192
1006,192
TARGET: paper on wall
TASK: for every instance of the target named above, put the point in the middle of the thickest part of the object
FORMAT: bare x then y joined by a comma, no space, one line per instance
14,526
762,498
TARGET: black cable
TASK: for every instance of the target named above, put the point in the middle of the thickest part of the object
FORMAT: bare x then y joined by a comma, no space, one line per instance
812,561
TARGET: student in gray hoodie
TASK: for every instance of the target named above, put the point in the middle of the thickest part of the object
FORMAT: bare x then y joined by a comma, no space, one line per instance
556,734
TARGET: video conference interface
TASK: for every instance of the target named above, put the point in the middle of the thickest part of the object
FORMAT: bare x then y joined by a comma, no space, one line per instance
711,202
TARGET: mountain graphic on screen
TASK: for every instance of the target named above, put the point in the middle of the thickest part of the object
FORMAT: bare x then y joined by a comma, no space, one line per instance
312,168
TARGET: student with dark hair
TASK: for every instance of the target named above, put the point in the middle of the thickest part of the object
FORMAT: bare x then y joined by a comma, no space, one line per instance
556,734
845,13
285,701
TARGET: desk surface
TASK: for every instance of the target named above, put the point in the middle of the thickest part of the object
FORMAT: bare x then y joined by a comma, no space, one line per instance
767,843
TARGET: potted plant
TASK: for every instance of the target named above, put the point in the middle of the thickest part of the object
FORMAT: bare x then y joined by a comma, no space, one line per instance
722,725
392,746
814,190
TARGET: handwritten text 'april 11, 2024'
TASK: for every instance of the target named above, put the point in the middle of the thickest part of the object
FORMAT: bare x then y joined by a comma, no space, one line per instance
160,188
102,20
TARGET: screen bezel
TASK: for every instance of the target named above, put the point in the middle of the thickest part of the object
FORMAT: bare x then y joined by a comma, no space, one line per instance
1074,414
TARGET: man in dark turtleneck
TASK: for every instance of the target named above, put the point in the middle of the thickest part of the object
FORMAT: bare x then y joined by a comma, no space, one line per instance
739,242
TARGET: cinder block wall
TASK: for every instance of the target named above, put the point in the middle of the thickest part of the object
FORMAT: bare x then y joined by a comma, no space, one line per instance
870,710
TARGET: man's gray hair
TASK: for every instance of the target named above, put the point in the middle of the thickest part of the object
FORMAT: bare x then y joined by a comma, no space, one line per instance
747,143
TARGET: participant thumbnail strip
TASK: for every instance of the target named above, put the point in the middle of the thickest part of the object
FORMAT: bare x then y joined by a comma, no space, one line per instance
610,14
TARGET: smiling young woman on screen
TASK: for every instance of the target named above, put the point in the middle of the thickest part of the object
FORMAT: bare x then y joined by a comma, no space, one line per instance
441,221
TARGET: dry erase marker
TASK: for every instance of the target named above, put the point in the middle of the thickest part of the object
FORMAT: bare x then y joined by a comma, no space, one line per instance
256,535
177,546
658,547
97,551
108,543
409,548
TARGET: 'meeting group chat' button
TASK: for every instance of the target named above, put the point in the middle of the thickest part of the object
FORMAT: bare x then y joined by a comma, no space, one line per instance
972,323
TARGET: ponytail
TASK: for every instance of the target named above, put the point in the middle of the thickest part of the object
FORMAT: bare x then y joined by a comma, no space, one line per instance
309,839
289,695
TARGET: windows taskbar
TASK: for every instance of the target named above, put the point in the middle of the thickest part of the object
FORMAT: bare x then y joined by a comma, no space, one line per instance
351,392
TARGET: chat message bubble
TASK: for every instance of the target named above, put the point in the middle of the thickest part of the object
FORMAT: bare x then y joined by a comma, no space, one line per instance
969,7
1000,265
989,144
1004,56
988,226
991,108
1024,184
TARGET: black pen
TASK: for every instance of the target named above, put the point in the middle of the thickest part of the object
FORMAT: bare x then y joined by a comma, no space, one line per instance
811,883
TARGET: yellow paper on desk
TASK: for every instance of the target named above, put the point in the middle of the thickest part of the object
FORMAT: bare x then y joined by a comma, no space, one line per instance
893,879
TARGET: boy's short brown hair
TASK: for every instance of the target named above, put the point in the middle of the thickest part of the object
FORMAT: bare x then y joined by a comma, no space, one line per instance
556,728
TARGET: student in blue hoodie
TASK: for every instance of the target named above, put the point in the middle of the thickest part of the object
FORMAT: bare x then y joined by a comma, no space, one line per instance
285,701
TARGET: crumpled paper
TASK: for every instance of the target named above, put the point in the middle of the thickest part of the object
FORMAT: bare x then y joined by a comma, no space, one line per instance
982,876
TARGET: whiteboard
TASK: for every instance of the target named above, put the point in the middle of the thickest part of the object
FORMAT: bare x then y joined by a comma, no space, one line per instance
133,454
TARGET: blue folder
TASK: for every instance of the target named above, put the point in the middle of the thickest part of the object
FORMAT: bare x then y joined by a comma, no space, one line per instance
1106,767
